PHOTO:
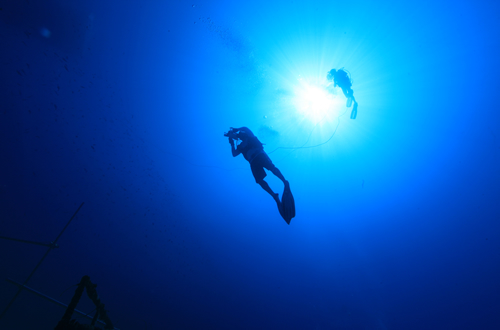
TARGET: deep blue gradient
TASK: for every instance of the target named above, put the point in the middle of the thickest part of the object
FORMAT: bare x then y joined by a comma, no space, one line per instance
123,105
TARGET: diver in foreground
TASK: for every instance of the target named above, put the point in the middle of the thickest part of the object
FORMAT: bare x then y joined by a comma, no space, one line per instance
341,79
253,151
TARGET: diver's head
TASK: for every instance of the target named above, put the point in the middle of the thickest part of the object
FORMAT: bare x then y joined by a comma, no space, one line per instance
331,74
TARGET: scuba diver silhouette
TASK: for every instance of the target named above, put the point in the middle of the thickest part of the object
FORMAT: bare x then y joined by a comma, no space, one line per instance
341,79
253,151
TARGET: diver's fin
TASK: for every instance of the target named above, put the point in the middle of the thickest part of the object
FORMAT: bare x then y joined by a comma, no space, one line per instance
287,209
354,111
349,102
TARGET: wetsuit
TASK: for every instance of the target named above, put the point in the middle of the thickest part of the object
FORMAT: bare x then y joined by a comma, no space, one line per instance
341,79
254,153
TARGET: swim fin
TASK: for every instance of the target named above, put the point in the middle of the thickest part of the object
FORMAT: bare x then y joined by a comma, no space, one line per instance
287,209
354,111
349,102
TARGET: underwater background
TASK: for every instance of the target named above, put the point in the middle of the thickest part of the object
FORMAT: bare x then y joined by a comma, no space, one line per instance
122,105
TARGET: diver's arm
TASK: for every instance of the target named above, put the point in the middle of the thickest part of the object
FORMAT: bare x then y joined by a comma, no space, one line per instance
235,151
239,147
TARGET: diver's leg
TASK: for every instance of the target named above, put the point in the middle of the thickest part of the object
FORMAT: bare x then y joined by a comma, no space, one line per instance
353,99
277,172
345,91
348,94
266,187
354,111
267,163
351,94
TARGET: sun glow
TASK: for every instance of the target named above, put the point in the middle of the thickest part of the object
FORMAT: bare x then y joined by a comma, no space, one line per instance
316,102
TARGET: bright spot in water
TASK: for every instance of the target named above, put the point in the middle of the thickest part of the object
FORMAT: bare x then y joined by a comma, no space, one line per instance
45,32
315,102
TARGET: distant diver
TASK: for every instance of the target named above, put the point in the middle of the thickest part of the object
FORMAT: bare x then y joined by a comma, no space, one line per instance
253,151
341,79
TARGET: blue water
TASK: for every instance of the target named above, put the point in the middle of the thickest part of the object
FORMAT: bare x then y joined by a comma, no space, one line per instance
122,105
